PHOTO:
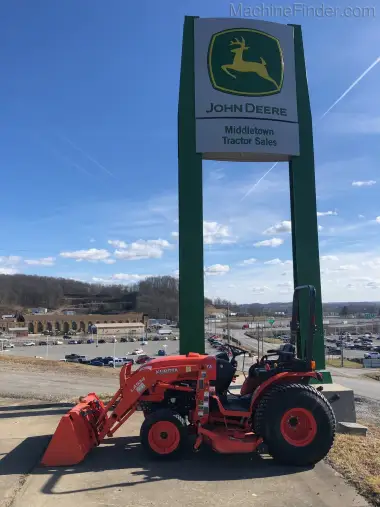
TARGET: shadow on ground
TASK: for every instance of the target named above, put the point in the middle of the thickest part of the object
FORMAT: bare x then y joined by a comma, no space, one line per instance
11,412
125,453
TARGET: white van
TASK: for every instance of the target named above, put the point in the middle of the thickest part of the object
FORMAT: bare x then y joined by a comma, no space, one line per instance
165,332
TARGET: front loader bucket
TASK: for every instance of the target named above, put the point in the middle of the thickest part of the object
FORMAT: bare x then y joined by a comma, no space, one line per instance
75,435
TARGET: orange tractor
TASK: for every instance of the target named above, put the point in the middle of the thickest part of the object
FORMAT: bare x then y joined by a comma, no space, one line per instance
186,398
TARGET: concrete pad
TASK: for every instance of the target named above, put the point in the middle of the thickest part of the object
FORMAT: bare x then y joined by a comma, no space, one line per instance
118,473
353,428
25,429
342,401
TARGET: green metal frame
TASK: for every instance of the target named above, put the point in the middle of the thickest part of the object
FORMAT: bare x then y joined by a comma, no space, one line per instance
302,202
190,207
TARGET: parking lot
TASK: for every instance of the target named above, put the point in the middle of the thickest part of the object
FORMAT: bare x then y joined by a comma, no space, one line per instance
92,350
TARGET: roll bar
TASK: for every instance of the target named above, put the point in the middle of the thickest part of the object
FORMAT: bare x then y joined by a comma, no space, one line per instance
307,352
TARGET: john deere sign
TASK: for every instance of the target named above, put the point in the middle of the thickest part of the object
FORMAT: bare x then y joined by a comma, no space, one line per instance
245,90
238,54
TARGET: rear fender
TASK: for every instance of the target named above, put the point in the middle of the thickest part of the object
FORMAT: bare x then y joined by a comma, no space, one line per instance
280,378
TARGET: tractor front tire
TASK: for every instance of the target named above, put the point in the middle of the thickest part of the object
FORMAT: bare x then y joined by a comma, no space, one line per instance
163,434
296,423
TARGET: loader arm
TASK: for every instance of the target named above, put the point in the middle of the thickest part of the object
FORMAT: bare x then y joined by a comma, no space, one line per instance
87,424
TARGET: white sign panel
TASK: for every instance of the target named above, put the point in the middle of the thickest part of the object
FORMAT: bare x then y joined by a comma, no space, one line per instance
245,90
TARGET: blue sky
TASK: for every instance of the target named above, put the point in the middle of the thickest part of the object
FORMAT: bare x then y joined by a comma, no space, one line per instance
88,153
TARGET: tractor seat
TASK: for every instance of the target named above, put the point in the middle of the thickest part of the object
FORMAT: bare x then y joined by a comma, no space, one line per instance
236,403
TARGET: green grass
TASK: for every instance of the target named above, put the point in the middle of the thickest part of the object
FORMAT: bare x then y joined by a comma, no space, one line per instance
346,363
273,340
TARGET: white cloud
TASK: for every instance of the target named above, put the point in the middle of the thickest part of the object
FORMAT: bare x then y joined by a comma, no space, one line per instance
175,234
109,261
361,216
326,213
143,249
45,261
248,262
329,258
273,243
10,260
367,183
374,263
285,284
8,271
348,267
373,285
277,262
216,233
217,269
120,278
320,227
117,243
92,240
273,262
91,255
284,226
259,290
378,220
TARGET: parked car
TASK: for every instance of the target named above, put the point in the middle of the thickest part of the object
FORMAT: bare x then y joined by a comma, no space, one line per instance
372,355
143,359
161,352
72,342
138,352
101,341
71,357
29,344
107,359
42,343
174,338
123,340
90,341
118,361
94,362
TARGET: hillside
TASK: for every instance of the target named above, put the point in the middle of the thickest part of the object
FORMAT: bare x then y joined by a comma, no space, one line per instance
155,296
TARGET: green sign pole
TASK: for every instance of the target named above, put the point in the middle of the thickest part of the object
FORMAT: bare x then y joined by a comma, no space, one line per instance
306,269
190,207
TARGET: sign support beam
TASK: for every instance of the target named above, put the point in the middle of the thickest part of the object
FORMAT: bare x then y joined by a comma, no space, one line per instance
190,207
306,268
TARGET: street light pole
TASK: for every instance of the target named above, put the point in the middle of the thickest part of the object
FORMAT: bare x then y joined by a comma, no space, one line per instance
114,350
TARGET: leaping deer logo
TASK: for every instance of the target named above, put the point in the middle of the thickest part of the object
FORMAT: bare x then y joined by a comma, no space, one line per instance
241,65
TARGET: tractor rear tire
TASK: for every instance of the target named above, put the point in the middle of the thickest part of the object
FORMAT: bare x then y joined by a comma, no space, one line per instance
163,434
296,423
